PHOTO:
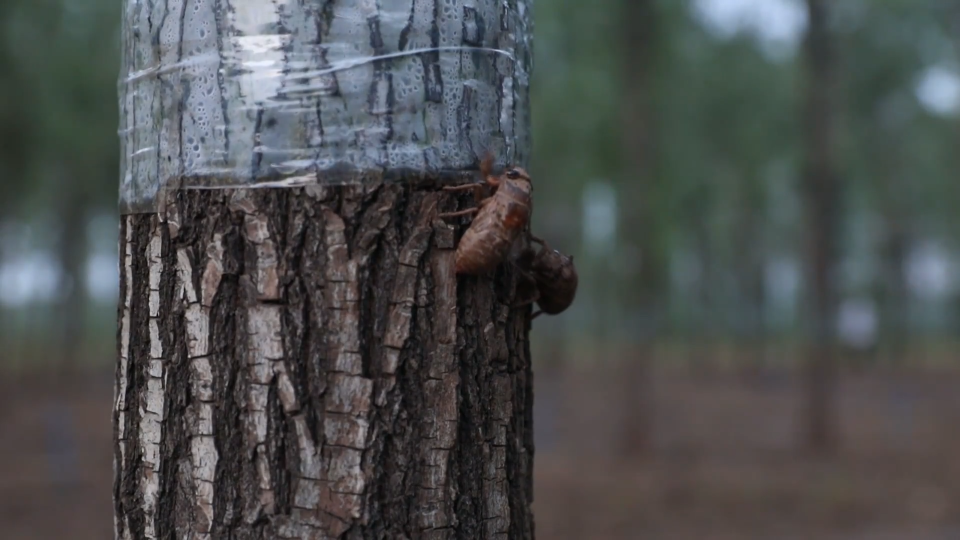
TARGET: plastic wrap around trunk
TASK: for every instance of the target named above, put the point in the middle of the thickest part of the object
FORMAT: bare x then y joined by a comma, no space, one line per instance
229,93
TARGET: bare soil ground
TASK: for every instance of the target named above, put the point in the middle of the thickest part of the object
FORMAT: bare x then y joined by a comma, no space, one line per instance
724,464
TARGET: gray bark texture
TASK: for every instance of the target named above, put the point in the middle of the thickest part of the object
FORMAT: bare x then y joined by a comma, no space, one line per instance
302,361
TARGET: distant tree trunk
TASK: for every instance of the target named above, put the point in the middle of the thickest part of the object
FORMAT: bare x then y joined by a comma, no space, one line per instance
9,345
702,350
887,141
752,286
822,201
895,295
71,252
639,27
303,362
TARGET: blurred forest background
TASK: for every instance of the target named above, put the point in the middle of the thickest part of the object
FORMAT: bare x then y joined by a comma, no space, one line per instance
761,198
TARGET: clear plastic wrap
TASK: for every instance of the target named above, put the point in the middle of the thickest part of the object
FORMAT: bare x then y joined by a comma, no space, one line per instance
230,93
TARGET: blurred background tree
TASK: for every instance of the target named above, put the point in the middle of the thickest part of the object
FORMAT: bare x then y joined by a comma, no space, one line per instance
58,126
672,148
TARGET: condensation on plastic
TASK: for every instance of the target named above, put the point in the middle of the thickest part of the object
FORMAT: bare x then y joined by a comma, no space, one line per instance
230,93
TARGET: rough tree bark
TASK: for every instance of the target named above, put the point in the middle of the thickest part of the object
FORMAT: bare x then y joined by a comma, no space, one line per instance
303,362
823,206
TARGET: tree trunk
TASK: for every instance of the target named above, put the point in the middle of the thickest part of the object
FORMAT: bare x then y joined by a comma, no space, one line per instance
753,289
296,357
703,348
640,40
887,143
304,364
895,302
72,252
823,200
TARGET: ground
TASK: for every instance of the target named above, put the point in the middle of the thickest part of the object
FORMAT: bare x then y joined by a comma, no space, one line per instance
724,465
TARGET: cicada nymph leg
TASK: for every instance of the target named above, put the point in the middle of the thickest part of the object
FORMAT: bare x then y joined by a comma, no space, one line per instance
527,281
468,211
462,187
537,240
535,296
527,301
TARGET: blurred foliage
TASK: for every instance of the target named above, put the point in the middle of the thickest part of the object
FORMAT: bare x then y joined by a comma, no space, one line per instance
728,110
723,209
58,105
